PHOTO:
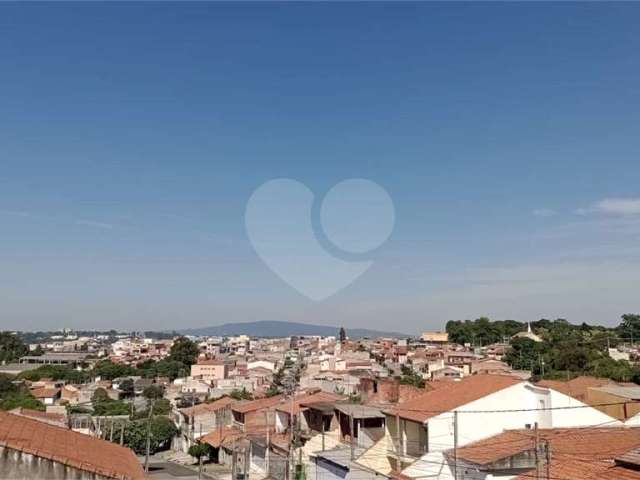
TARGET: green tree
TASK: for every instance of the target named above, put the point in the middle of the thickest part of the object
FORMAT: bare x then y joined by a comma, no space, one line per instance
200,450
108,370
127,388
162,430
171,369
184,351
243,394
55,372
153,392
411,377
14,396
160,407
630,326
525,354
272,391
103,405
11,347
342,335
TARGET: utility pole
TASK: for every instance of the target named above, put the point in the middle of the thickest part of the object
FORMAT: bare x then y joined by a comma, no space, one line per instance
200,457
455,444
398,439
245,463
146,459
536,449
266,454
234,459
547,457
352,435
292,466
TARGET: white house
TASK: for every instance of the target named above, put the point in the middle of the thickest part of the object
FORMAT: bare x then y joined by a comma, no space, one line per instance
420,431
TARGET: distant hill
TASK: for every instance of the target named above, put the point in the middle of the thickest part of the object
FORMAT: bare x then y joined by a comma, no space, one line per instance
269,328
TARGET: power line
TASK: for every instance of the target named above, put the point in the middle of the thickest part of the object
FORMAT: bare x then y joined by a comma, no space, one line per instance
516,410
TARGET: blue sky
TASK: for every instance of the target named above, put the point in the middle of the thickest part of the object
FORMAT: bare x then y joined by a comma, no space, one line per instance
133,135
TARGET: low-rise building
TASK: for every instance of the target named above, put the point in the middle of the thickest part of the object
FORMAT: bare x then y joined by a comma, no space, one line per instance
31,448
209,370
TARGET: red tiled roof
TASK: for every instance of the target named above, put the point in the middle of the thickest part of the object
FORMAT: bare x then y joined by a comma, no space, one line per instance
57,418
576,453
306,400
576,388
68,448
457,394
260,404
210,362
211,407
45,392
222,437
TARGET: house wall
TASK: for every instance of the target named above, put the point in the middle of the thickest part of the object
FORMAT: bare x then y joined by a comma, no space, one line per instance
620,412
282,421
313,420
577,417
526,401
209,372
278,466
411,439
329,471
258,458
367,436
16,465
258,418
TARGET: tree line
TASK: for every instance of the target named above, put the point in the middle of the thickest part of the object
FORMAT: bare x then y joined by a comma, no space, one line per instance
566,350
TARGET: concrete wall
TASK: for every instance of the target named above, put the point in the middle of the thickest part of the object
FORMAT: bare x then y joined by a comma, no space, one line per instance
209,372
16,465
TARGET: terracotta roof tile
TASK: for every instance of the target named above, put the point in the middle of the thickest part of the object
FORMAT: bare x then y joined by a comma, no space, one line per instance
447,398
576,453
222,437
45,392
260,404
69,448
211,407
211,362
603,443
56,418
577,387
306,400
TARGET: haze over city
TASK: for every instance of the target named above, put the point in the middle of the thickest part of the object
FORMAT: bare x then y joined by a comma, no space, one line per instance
319,240
507,137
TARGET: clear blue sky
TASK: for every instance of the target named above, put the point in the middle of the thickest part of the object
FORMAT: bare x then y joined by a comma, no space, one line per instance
132,136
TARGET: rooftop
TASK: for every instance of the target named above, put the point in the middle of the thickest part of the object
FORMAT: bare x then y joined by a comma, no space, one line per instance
303,401
631,393
204,408
359,411
451,396
68,447
577,387
577,453
260,404
341,456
